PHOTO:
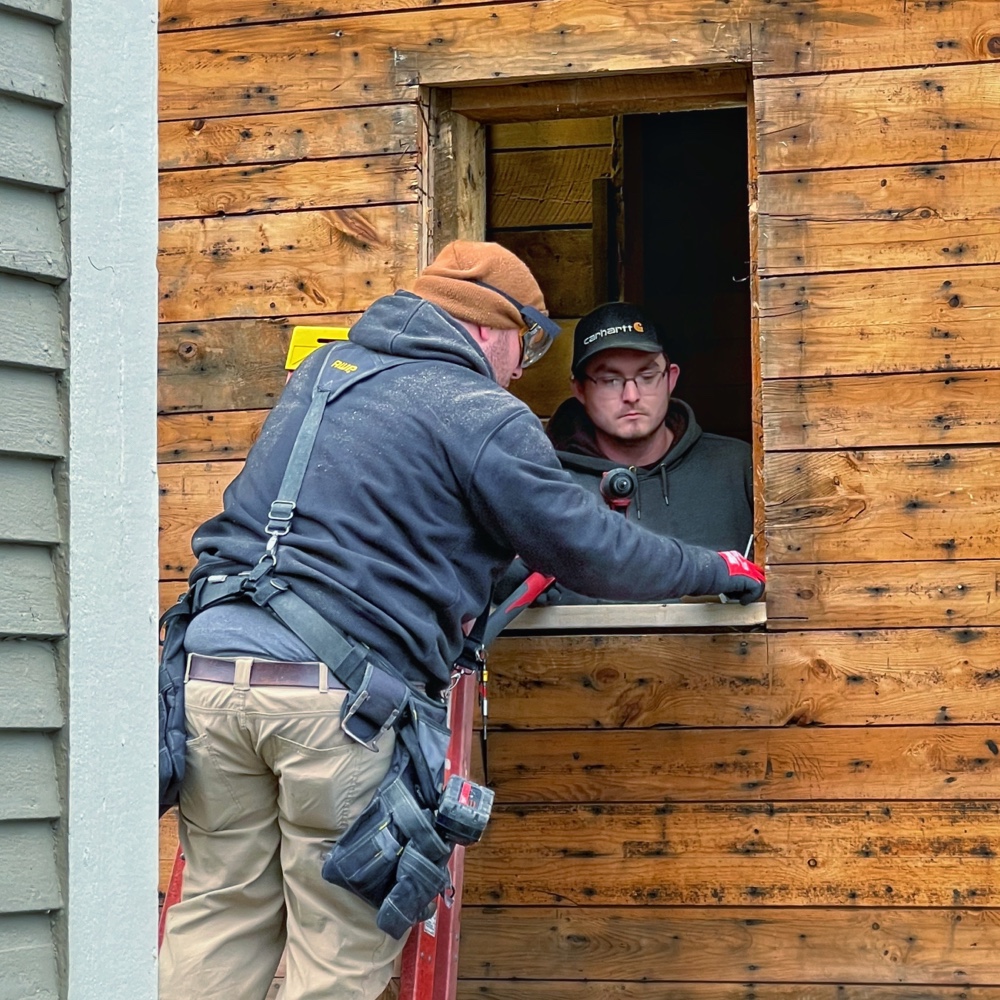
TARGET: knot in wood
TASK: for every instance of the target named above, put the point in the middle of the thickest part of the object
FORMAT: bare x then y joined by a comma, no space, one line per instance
187,349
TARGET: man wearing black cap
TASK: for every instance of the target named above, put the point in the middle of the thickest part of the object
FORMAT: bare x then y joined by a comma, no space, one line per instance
694,486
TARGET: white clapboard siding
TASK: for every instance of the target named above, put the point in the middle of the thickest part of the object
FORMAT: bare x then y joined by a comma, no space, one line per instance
29,148
29,61
28,787
30,234
30,323
28,849
30,421
29,690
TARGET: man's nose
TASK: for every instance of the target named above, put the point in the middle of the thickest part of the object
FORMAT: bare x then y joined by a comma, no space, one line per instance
630,391
516,373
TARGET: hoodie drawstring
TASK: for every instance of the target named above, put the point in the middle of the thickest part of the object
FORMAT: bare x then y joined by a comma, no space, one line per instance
663,485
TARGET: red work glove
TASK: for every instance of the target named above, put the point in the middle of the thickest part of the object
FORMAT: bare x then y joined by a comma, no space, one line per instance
742,580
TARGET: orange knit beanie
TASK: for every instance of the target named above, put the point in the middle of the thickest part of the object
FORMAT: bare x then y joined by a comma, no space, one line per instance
449,282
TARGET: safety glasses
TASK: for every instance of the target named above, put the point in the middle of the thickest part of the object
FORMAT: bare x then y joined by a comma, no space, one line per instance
538,333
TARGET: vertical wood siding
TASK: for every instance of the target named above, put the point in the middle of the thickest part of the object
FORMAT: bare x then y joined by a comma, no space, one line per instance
803,813
32,440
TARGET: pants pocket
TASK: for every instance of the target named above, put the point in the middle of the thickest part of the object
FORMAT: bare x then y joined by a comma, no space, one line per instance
207,799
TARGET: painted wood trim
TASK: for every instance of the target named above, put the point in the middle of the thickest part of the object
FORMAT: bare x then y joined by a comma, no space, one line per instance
602,617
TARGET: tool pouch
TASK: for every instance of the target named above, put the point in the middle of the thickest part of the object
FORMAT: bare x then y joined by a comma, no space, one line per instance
373,709
173,729
392,856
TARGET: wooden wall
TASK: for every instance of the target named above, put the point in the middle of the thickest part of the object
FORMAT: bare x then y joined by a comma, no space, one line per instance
807,812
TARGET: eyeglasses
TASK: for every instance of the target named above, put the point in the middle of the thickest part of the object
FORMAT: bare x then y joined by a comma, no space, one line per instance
613,385
534,343
538,332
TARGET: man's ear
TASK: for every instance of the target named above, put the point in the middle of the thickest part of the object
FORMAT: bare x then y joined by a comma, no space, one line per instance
577,389
673,373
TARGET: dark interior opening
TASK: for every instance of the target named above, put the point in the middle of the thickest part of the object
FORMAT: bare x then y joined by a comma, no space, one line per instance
686,252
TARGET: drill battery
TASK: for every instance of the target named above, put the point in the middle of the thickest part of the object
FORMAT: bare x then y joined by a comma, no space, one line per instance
464,810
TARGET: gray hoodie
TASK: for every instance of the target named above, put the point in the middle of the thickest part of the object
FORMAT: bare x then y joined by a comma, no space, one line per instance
701,491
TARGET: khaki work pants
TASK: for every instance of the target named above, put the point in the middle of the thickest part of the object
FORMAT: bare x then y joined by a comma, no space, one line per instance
271,783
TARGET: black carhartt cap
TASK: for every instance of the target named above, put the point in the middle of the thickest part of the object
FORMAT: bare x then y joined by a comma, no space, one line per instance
615,324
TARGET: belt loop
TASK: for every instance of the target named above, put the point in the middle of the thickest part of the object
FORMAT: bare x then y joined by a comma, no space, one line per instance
187,668
324,678
241,679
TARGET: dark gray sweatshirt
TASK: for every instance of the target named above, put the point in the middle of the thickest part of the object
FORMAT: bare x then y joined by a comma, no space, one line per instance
701,491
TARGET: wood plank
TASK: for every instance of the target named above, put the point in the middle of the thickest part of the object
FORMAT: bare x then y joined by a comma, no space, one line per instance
28,946
28,787
880,117
811,36
454,152
31,66
308,135
176,15
883,504
604,681
878,217
228,364
29,691
858,411
168,841
31,241
189,494
29,149
29,598
354,182
28,877
544,187
30,420
316,262
30,323
545,385
744,945
866,678
44,10
482,989
686,613
386,57
28,513
561,261
696,88
883,595
544,135
849,678
788,764
893,321
207,437
712,854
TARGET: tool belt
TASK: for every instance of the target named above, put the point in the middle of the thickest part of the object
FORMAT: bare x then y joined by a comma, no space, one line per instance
394,855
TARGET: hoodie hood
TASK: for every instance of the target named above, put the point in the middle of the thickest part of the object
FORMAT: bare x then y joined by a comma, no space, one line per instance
408,326
574,437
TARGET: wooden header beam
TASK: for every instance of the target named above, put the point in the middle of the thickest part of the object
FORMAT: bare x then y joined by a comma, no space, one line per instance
595,96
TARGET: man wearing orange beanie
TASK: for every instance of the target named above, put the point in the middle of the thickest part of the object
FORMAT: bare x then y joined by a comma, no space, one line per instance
420,480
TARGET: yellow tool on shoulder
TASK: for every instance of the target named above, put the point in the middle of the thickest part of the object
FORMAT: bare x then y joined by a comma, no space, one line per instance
305,340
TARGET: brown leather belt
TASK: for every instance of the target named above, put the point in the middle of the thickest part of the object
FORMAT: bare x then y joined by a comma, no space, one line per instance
263,673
